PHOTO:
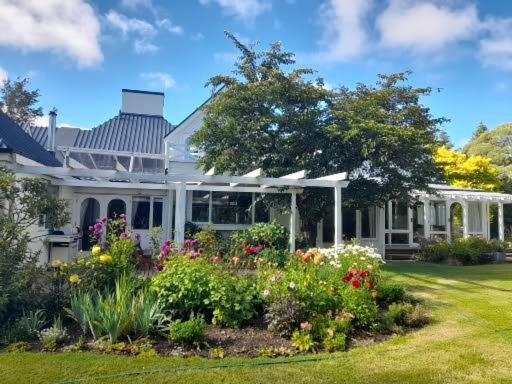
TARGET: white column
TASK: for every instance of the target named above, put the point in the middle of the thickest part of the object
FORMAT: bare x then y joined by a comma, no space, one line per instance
426,218
320,234
170,213
358,224
448,222
381,228
179,218
485,219
338,224
410,225
293,220
501,222
166,157
465,221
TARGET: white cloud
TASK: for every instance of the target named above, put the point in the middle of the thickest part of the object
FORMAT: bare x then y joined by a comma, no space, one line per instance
142,31
3,76
64,26
41,121
160,80
245,10
345,34
134,4
496,48
425,26
170,27
197,36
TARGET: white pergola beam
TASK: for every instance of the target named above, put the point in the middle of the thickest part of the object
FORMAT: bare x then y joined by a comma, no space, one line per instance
335,177
255,173
210,172
111,153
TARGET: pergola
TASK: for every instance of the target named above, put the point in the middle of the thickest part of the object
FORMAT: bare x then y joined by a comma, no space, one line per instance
179,184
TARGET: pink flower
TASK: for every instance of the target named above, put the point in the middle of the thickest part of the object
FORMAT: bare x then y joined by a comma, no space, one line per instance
307,326
137,237
159,267
266,292
292,285
124,235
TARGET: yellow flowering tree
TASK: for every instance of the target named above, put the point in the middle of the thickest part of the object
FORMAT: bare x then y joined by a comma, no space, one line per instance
461,170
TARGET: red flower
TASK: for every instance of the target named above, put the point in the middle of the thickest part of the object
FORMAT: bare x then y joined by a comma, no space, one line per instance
356,283
370,284
347,278
364,274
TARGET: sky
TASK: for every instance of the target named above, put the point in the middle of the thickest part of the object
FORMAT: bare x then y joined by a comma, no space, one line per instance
81,53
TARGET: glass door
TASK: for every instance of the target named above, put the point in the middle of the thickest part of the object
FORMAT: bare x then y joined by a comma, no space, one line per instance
397,223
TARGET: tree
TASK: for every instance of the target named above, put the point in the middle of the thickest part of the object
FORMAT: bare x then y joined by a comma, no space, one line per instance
22,204
19,103
278,120
481,128
465,171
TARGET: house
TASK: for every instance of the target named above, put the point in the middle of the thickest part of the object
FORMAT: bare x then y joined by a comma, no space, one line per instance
139,164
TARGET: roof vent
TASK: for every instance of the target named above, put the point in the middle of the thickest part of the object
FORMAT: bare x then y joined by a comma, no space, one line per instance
143,102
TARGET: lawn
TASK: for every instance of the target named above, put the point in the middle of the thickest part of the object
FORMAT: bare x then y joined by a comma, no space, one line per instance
469,341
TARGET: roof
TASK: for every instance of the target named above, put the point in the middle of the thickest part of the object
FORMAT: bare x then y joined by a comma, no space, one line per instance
14,139
124,132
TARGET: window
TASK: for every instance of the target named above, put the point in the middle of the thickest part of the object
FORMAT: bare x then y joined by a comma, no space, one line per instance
140,212
348,222
438,216
418,222
474,217
231,207
115,208
369,223
261,212
200,206
399,215
157,212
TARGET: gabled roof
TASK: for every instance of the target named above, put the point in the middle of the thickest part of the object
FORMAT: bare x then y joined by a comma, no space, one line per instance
14,139
124,132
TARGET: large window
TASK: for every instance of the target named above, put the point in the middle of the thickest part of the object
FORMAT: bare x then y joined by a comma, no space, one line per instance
158,206
475,217
261,212
399,215
438,216
200,206
231,207
369,223
116,207
140,212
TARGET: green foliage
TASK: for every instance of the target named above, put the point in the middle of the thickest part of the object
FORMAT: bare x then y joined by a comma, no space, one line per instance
268,235
303,341
155,239
188,333
18,102
472,250
188,286
217,353
434,251
416,315
335,343
274,256
392,319
361,304
52,337
24,328
208,240
128,310
284,315
20,346
389,292
23,284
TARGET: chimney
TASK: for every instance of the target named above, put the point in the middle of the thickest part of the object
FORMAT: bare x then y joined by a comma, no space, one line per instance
52,130
142,102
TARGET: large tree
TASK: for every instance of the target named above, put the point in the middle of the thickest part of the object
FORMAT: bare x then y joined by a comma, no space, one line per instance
19,102
275,118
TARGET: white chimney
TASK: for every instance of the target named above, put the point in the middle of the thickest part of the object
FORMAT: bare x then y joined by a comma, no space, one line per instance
143,102
52,130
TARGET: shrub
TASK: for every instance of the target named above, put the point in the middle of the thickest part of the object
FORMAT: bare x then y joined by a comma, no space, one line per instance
335,343
207,239
267,235
416,315
284,315
393,318
128,310
433,251
52,337
188,333
274,256
390,292
25,328
20,346
361,304
303,341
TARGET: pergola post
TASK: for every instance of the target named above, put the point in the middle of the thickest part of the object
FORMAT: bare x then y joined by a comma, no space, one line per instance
170,214
293,220
501,222
448,221
338,224
465,221
485,219
179,218
426,219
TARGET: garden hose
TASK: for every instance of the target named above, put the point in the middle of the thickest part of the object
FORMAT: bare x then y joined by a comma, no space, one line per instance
191,369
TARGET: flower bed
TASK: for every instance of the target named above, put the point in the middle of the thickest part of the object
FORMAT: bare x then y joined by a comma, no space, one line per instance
248,297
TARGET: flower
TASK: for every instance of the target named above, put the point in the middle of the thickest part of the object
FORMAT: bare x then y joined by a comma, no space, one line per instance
266,292
364,274
137,237
159,267
56,263
96,250
292,285
307,326
356,283
370,284
330,332
235,260
105,258
73,279
124,235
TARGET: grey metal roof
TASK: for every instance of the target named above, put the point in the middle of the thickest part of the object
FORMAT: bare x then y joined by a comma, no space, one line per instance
124,132
13,138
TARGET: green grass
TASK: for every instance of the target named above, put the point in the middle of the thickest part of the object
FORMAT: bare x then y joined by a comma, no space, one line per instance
470,341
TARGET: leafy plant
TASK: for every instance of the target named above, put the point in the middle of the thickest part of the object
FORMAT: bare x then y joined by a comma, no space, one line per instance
20,346
389,292
303,341
155,239
217,353
416,315
25,328
52,337
188,333
361,304
284,315
335,343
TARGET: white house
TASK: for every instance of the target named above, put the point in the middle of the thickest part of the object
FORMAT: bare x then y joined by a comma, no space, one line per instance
139,164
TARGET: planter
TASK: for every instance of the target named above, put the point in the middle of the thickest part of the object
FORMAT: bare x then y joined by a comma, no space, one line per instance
499,257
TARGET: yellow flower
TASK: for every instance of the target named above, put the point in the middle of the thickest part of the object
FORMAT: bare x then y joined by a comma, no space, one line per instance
56,263
73,279
105,258
96,250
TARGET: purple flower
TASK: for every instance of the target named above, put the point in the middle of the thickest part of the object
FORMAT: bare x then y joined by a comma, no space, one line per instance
103,220
166,249
124,235
159,267
98,227
194,255
105,245
137,237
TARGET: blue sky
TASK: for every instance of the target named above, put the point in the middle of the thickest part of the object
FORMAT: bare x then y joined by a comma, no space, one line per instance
80,53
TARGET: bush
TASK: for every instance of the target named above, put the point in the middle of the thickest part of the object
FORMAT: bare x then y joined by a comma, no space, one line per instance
128,310
285,315
188,333
25,328
416,315
20,346
52,337
274,256
361,304
267,235
393,318
303,341
391,292
433,251
335,343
